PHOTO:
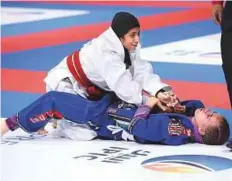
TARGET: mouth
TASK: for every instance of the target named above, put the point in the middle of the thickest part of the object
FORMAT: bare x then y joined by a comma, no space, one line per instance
135,45
201,110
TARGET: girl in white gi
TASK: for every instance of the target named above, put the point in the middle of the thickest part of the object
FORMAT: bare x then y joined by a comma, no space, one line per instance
110,62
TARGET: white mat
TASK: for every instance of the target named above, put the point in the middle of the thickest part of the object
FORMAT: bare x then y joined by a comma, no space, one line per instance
36,158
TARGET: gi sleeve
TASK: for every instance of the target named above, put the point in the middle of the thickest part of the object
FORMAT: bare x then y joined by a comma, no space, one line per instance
192,106
143,74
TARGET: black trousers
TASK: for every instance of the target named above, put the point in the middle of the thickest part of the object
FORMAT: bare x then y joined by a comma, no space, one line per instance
226,46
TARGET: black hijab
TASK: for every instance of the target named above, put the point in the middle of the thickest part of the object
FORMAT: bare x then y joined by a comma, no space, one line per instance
121,24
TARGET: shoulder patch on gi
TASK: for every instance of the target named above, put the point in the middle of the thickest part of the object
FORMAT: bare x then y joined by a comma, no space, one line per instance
176,128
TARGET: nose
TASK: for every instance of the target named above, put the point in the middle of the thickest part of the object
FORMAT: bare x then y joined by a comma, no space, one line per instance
137,38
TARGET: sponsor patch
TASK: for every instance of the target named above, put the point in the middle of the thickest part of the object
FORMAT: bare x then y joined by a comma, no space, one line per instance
176,128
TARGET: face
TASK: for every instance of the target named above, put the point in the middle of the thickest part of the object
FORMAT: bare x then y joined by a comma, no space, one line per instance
205,118
131,39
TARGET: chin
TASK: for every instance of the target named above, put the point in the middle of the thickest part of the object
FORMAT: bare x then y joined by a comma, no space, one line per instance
132,48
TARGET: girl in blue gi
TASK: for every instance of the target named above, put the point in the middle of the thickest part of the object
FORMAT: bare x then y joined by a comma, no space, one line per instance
108,119
189,121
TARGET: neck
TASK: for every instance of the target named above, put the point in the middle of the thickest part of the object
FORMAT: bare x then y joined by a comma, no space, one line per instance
197,135
193,121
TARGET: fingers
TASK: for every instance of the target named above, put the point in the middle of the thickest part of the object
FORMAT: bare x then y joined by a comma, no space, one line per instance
173,102
220,17
163,107
164,97
217,19
168,98
217,13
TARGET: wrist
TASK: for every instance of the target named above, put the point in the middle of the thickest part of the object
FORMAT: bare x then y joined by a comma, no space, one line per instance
142,112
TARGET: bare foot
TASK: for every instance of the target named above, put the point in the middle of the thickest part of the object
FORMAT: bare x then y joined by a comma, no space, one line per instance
42,132
4,127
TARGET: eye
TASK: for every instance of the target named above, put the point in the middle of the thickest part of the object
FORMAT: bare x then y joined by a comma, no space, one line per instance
209,116
132,35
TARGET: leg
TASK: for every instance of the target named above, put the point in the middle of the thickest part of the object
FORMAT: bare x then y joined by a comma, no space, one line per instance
226,44
57,104
32,118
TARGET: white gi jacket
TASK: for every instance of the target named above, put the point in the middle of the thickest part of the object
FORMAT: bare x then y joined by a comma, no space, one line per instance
102,60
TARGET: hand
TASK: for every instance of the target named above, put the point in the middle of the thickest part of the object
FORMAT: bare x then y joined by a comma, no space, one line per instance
217,10
153,101
168,98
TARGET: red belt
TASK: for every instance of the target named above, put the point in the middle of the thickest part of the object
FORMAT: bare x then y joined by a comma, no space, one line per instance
75,68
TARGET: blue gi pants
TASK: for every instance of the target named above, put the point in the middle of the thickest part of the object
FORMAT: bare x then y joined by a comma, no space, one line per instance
70,106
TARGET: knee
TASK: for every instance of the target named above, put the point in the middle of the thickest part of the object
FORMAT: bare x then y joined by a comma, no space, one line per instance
50,95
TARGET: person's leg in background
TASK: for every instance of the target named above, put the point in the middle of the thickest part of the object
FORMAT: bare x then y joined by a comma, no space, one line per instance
226,46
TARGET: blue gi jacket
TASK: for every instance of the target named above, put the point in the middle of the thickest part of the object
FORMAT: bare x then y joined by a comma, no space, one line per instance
163,128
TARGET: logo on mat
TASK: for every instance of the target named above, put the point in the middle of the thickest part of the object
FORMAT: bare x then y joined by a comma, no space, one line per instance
187,163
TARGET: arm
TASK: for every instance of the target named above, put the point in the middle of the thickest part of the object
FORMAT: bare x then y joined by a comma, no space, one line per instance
191,106
143,74
151,83
144,110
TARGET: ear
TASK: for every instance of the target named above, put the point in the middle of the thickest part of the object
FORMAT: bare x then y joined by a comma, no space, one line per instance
201,130
121,39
